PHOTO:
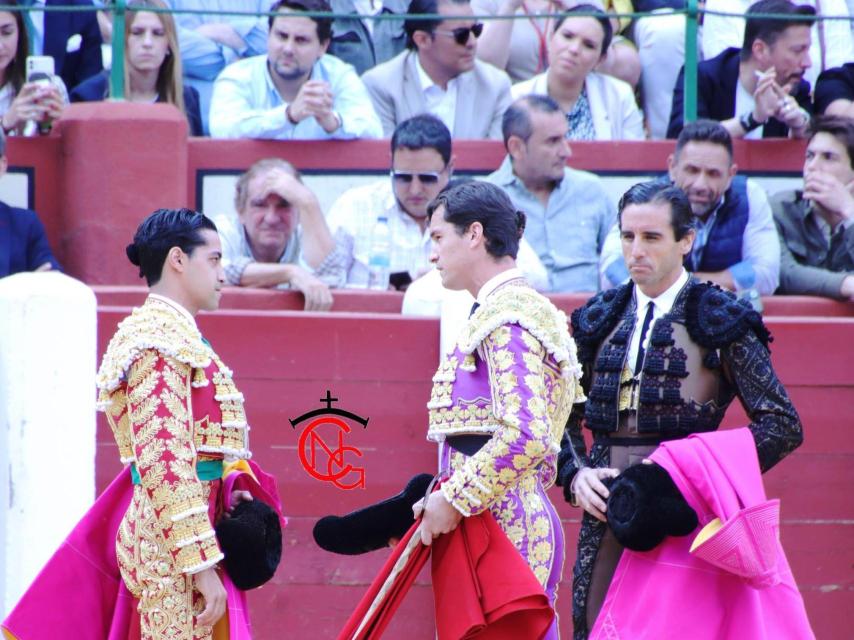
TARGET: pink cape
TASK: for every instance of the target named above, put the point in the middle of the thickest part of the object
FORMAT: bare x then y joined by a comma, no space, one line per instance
80,590
749,591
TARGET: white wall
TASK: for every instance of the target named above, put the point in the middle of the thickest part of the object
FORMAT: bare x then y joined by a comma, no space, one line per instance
47,420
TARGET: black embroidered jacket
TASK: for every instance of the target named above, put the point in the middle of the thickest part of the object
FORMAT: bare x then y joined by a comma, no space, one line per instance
710,348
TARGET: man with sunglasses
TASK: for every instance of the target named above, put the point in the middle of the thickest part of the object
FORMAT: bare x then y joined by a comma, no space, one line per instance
440,75
421,165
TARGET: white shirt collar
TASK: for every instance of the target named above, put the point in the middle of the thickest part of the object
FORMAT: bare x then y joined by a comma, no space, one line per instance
664,301
496,281
179,308
425,79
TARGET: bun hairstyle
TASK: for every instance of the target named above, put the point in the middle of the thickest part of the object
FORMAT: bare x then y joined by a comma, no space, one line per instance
133,255
521,219
159,232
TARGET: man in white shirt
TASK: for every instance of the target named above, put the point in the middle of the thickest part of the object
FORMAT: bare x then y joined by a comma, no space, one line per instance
296,91
422,164
439,74
280,238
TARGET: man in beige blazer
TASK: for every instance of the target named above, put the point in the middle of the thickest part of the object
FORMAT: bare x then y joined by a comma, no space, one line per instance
439,74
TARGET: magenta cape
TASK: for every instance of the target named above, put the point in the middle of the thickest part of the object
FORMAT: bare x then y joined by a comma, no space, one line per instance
743,589
80,592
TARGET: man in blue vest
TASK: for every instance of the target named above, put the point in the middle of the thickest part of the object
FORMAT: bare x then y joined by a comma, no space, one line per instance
736,245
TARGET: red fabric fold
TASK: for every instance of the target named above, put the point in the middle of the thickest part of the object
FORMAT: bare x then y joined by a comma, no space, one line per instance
482,587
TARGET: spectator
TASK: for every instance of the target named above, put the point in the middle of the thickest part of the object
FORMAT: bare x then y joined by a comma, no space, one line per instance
296,91
213,40
832,44
24,104
735,246
597,106
366,42
23,244
152,65
760,91
280,238
660,39
816,225
621,59
421,167
569,213
440,75
72,38
520,46
834,92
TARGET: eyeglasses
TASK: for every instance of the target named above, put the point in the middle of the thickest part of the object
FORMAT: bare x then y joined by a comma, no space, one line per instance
461,34
406,177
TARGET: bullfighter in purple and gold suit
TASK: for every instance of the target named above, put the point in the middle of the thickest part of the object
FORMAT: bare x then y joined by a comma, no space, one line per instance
501,398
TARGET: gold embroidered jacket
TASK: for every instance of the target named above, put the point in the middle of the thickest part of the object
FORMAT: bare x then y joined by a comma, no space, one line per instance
169,400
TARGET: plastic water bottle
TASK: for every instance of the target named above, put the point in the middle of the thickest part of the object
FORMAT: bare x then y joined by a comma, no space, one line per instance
747,291
379,259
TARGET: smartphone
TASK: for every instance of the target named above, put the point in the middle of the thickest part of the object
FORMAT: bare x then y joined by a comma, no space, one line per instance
40,67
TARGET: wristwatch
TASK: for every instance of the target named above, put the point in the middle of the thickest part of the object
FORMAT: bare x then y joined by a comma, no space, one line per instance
748,122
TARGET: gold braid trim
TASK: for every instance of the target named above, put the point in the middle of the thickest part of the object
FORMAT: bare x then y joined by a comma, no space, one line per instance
520,304
155,325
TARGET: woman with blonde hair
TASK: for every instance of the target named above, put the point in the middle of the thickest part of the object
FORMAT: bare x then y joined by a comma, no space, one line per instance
152,66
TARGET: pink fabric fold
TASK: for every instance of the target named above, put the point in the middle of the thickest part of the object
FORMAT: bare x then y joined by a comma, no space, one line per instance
80,590
740,584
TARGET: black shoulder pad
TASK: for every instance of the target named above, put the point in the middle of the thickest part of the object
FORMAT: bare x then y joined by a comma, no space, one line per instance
715,317
595,320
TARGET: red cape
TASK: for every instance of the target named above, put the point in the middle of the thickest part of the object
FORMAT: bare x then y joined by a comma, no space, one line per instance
482,587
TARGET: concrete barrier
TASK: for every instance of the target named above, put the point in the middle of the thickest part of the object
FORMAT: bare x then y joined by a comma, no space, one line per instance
47,420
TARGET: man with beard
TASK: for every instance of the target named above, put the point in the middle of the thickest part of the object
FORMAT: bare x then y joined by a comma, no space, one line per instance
736,245
758,91
296,91
569,213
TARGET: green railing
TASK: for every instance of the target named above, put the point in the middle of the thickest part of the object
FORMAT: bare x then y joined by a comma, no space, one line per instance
693,15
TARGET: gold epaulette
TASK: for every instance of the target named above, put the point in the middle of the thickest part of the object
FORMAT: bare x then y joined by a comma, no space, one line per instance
154,325
520,304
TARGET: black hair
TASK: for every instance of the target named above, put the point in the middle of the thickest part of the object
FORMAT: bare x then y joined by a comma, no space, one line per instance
601,17
517,119
423,131
704,130
840,128
658,192
770,29
414,22
159,232
324,25
477,201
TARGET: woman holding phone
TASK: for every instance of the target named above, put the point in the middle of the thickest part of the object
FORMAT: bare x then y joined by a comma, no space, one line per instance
24,105
152,66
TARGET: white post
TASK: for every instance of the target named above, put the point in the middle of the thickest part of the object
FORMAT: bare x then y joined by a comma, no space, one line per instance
47,420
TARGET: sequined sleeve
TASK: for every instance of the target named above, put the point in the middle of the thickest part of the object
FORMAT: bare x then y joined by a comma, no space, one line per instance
774,423
161,427
523,439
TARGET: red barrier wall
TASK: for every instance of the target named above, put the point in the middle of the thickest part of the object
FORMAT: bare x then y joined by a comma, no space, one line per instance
380,365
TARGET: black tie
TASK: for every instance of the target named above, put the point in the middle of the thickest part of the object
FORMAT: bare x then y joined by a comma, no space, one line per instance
474,308
646,322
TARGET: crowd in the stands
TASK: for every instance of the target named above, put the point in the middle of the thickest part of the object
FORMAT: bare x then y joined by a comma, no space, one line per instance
535,74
